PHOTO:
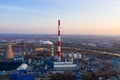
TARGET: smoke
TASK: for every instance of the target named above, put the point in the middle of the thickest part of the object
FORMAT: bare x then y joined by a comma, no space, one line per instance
46,42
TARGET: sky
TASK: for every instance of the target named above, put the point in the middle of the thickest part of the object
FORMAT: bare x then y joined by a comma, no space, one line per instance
95,17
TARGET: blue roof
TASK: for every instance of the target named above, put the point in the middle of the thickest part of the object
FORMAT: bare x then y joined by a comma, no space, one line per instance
18,56
2,73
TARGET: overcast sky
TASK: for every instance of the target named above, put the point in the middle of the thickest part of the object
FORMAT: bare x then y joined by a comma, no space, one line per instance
97,17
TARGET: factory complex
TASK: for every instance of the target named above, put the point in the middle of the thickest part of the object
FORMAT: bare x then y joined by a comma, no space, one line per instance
35,59
38,68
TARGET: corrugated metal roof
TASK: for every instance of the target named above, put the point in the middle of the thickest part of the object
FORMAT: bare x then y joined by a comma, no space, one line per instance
65,65
55,63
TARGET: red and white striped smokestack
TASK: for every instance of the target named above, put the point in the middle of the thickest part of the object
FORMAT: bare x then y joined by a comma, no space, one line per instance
59,42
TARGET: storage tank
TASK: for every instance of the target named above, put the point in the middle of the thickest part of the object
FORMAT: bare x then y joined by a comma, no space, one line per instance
75,56
63,55
22,67
80,56
70,55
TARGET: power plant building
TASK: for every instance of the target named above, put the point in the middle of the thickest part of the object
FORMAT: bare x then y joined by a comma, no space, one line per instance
62,65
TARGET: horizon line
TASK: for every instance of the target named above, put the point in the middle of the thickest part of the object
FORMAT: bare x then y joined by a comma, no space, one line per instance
56,34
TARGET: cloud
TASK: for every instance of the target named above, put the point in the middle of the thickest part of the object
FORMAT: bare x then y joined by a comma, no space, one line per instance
13,8
22,9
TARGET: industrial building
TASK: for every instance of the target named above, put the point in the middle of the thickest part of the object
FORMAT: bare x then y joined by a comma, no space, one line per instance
61,65
50,65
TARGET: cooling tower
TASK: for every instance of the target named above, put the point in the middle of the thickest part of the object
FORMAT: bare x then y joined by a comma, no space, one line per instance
9,52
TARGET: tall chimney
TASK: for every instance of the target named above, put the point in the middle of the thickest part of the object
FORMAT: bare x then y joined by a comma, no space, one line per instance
59,42
9,53
52,49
